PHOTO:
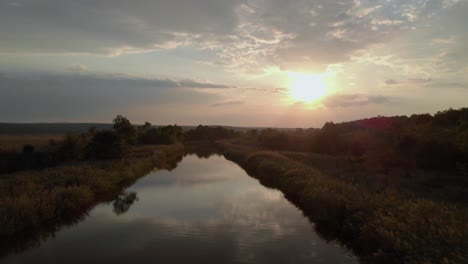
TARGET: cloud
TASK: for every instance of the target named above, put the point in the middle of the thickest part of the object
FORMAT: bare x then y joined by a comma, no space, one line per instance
319,33
273,90
419,80
246,35
195,84
84,96
228,103
408,81
111,80
110,27
391,82
77,68
436,44
348,100
448,84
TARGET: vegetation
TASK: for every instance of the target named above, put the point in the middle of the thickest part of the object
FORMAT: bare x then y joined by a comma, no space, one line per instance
76,173
394,189
125,130
422,154
106,145
381,226
15,143
391,188
418,141
91,145
164,135
210,133
34,204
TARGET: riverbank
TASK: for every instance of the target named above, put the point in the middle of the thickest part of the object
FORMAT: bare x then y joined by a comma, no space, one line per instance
35,204
380,226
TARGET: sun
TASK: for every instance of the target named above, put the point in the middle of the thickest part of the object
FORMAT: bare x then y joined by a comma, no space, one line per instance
306,87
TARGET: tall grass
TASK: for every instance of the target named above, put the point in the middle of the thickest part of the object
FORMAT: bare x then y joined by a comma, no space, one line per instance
381,227
34,204
16,142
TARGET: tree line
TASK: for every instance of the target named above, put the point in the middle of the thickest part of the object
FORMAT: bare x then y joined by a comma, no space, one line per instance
437,141
101,144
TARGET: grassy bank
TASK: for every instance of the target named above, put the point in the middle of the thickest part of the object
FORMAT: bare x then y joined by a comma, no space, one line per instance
35,204
381,227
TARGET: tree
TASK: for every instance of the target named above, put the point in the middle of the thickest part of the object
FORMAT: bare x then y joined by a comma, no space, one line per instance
125,129
106,144
161,135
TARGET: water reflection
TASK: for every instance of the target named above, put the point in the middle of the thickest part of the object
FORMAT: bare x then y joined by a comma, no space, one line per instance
204,211
202,150
122,203
171,163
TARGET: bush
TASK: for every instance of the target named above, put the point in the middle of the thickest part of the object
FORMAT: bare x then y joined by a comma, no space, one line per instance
27,149
210,133
106,145
165,135
73,147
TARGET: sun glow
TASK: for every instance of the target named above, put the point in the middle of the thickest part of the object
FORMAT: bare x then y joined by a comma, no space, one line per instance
306,87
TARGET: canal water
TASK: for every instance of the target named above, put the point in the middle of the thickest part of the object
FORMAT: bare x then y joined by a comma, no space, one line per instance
207,210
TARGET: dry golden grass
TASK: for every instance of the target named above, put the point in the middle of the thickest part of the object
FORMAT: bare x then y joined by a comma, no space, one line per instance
16,142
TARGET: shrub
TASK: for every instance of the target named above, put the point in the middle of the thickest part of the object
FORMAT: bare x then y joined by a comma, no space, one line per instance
27,149
106,145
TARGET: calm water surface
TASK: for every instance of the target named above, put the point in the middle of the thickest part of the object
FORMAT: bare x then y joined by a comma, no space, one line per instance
204,211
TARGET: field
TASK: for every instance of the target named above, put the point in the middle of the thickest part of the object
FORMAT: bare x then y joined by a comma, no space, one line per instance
16,142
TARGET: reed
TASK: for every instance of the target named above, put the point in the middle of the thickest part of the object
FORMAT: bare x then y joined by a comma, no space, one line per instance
381,227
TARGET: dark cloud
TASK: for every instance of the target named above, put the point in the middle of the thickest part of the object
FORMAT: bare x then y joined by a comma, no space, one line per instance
391,82
347,100
70,97
461,85
194,84
110,26
108,81
409,81
228,103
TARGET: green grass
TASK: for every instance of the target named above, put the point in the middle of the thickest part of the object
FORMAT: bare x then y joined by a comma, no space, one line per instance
381,227
34,204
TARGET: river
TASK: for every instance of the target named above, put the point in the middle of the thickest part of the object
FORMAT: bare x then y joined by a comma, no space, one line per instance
207,210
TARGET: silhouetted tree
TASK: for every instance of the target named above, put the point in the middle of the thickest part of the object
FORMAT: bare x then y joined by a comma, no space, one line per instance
106,145
160,135
202,132
125,129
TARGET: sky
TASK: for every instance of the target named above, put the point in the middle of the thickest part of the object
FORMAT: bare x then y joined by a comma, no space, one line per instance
270,63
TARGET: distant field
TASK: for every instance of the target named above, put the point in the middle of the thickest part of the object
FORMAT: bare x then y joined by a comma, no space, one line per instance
48,128
16,142
62,128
